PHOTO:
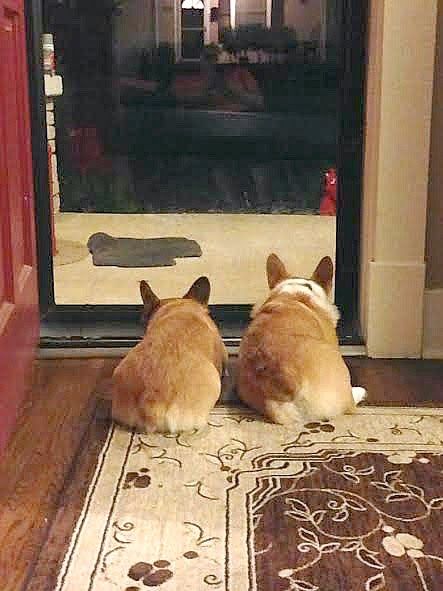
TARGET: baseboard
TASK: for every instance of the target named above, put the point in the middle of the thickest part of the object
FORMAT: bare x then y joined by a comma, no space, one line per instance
395,310
82,352
433,324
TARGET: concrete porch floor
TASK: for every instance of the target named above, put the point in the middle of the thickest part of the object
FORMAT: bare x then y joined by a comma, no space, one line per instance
234,247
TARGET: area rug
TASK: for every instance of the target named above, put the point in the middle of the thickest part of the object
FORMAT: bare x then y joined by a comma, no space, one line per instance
354,504
139,252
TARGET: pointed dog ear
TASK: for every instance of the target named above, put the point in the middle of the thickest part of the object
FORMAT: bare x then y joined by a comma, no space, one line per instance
324,273
199,291
150,300
275,270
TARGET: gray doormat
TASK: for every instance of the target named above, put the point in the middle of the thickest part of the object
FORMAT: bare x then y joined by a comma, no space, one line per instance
140,252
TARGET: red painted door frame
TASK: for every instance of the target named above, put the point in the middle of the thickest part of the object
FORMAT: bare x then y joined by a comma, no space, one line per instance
19,315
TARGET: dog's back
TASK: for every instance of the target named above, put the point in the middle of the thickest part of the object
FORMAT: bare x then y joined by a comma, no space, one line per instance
172,379
290,366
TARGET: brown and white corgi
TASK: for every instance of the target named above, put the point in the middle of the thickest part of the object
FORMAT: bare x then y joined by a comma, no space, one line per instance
171,380
290,367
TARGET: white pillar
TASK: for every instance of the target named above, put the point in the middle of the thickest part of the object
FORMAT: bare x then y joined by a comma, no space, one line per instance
399,108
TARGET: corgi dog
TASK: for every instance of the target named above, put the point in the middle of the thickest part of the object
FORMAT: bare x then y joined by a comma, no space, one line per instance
290,367
171,380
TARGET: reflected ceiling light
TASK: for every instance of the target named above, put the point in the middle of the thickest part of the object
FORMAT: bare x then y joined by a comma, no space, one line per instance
197,4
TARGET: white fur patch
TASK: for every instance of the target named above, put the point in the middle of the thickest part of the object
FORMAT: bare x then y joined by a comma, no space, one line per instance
315,292
358,394
283,412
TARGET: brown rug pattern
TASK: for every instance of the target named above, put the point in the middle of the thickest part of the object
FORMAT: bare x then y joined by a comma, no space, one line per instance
344,505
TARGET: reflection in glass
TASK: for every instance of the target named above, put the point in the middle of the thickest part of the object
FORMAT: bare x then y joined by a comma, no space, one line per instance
214,106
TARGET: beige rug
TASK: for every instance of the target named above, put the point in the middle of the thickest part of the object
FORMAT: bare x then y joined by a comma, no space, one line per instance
344,506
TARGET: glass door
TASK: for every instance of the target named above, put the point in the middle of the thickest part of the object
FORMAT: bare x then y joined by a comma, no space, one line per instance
195,137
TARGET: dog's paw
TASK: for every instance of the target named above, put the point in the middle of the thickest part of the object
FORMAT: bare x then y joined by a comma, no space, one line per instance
358,394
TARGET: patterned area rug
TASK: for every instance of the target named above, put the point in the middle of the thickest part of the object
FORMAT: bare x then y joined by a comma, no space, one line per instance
349,505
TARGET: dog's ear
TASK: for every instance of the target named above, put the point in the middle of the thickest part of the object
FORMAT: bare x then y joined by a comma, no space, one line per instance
275,270
200,291
324,273
150,300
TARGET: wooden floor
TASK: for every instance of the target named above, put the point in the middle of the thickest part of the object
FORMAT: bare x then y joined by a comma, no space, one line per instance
51,458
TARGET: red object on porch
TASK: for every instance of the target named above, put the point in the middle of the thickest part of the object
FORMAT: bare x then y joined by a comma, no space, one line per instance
328,204
19,315
88,151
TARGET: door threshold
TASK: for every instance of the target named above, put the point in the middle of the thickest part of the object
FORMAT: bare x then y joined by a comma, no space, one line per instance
118,328
119,352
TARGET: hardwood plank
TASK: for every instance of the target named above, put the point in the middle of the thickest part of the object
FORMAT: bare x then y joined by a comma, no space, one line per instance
44,575
52,423
399,382
392,382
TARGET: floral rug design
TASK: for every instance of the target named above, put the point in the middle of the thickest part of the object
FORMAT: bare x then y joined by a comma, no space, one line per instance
248,505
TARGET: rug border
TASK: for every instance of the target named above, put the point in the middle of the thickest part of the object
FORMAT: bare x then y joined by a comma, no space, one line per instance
360,410
218,410
85,508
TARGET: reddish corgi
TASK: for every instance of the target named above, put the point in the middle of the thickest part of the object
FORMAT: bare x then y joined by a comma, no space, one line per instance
172,379
290,366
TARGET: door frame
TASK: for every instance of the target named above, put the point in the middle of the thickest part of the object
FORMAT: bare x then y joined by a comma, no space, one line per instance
231,318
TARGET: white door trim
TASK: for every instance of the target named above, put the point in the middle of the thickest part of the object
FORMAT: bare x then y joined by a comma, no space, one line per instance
206,21
157,23
268,13
232,15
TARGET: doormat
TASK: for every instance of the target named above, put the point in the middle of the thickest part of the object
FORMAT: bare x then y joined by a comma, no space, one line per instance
351,504
69,252
140,252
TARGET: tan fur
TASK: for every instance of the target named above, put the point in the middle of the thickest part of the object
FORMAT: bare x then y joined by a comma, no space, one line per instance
172,379
290,366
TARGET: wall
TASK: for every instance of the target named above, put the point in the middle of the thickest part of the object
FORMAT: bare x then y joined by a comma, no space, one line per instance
304,18
434,236
433,297
133,31
251,12
166,11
